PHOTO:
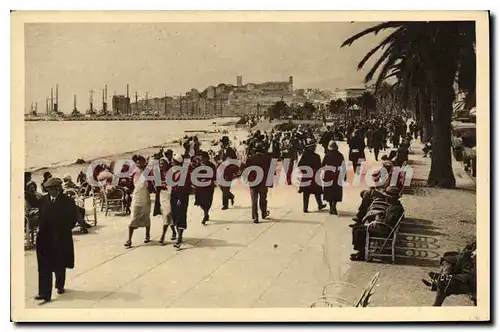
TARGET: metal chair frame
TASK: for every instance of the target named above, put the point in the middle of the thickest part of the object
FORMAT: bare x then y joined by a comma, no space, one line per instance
374,250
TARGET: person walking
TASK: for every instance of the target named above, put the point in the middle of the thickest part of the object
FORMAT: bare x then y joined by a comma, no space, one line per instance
312,160
204,194
163,193
259,187
54,241
141,201
179,199
226,154
332,187
356,149
377,142
289,154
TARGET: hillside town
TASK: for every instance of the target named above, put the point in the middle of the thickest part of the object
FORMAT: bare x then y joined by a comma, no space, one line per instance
222,100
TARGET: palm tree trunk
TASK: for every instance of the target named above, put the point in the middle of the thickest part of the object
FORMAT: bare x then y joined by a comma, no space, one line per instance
441,173
425,117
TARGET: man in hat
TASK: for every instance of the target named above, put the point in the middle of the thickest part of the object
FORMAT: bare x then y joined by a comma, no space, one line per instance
289,153
312,160
377,141
259,187
367,196
386,215
54,242
179,200
225,154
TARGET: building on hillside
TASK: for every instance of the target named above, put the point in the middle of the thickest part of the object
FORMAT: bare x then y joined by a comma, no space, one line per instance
349,93
266,86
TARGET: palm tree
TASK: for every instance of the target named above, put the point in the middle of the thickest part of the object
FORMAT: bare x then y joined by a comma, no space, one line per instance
436,53
367,102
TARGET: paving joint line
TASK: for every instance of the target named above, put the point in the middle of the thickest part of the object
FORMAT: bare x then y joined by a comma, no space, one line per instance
227,260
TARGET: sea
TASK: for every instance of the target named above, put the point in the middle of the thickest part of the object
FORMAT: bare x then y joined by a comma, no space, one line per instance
51,144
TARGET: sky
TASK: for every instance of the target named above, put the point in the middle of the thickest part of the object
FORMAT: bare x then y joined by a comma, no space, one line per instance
175,57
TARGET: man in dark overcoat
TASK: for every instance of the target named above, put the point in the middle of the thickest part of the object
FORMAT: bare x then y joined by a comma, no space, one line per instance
312,160
227,153
54,242
259,187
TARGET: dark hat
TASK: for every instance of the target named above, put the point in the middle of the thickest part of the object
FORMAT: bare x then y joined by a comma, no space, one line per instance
224,139
260,147
53,182
392,191
310,143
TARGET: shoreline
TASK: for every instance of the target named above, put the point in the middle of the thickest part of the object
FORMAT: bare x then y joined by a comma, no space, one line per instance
236,135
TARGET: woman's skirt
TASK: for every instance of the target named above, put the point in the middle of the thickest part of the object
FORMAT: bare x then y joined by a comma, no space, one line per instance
179,202
204,197
166,210
140,216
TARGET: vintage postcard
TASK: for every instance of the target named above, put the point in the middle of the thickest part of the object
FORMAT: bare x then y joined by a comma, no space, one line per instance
250,166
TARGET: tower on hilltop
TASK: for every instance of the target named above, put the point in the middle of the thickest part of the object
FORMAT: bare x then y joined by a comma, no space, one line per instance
239,81
290,81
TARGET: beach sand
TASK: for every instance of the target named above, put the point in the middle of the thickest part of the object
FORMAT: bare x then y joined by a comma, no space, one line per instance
236,135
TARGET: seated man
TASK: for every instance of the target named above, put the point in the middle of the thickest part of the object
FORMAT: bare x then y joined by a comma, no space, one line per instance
367,196
400,155
388,216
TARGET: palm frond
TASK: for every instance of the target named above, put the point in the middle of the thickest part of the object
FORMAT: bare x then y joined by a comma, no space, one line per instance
390,39
376,29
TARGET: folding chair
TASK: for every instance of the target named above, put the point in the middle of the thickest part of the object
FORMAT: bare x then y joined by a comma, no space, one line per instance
363,300
375,245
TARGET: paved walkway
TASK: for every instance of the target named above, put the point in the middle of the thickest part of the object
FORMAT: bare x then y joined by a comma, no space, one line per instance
230,263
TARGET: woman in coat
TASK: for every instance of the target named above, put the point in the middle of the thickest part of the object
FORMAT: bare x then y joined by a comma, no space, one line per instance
311,159
356,148
204,194
332,187
54,241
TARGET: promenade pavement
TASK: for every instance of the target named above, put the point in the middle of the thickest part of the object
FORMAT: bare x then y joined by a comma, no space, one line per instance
282,262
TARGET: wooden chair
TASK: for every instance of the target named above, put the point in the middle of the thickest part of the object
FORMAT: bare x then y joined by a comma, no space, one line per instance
114,200
375,245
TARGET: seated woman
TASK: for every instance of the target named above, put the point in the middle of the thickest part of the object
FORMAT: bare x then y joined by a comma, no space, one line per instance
31,205
388,215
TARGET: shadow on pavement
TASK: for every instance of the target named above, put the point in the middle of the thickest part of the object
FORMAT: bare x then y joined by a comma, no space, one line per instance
93,229
75,294
298,221
209,243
